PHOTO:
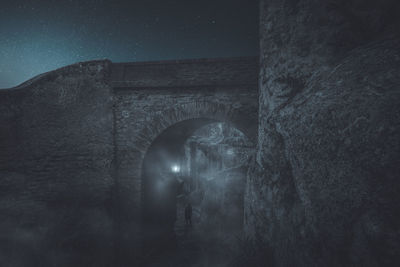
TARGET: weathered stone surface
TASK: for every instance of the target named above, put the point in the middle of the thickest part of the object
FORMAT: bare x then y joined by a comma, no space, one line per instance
55,158
185,73
143,112
72,144
322,191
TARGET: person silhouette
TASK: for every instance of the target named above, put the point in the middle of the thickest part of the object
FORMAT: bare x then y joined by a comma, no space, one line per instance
188,215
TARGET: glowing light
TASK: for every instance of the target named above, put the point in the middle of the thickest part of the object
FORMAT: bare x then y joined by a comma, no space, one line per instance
176,168
230,152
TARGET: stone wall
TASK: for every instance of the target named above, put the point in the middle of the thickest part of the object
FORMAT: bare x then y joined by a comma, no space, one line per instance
225,72
72,143
144,113
55,160
322,191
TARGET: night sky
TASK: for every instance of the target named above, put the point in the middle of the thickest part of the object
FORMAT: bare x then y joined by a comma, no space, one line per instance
41,35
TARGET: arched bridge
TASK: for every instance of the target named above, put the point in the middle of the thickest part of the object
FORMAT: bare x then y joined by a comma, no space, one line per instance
77,136
152,97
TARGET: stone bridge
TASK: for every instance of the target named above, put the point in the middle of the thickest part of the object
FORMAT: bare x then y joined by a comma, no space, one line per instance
72,141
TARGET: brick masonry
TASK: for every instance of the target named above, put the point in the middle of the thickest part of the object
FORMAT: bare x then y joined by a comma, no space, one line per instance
73,141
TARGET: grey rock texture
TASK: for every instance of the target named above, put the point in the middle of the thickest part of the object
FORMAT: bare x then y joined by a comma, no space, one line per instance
323,189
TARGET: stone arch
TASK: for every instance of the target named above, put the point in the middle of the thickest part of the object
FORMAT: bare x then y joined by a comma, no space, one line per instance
181,121
162,120
131,149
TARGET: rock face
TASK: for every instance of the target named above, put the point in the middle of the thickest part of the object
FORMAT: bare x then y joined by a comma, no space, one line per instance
323,190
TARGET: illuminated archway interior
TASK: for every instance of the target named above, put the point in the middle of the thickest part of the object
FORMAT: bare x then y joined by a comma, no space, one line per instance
202,162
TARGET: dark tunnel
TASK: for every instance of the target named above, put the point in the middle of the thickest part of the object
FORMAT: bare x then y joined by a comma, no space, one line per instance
202,162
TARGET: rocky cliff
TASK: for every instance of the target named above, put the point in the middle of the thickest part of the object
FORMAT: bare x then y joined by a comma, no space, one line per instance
323,188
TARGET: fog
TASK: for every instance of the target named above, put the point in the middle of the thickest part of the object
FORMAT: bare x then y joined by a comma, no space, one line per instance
204,164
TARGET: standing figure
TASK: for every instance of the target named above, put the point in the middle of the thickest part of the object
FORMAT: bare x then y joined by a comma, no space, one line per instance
188,215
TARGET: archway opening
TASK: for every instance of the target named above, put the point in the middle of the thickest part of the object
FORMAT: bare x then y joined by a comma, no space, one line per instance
201,162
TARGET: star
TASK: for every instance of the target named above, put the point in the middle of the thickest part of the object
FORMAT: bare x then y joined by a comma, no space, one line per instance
41,36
